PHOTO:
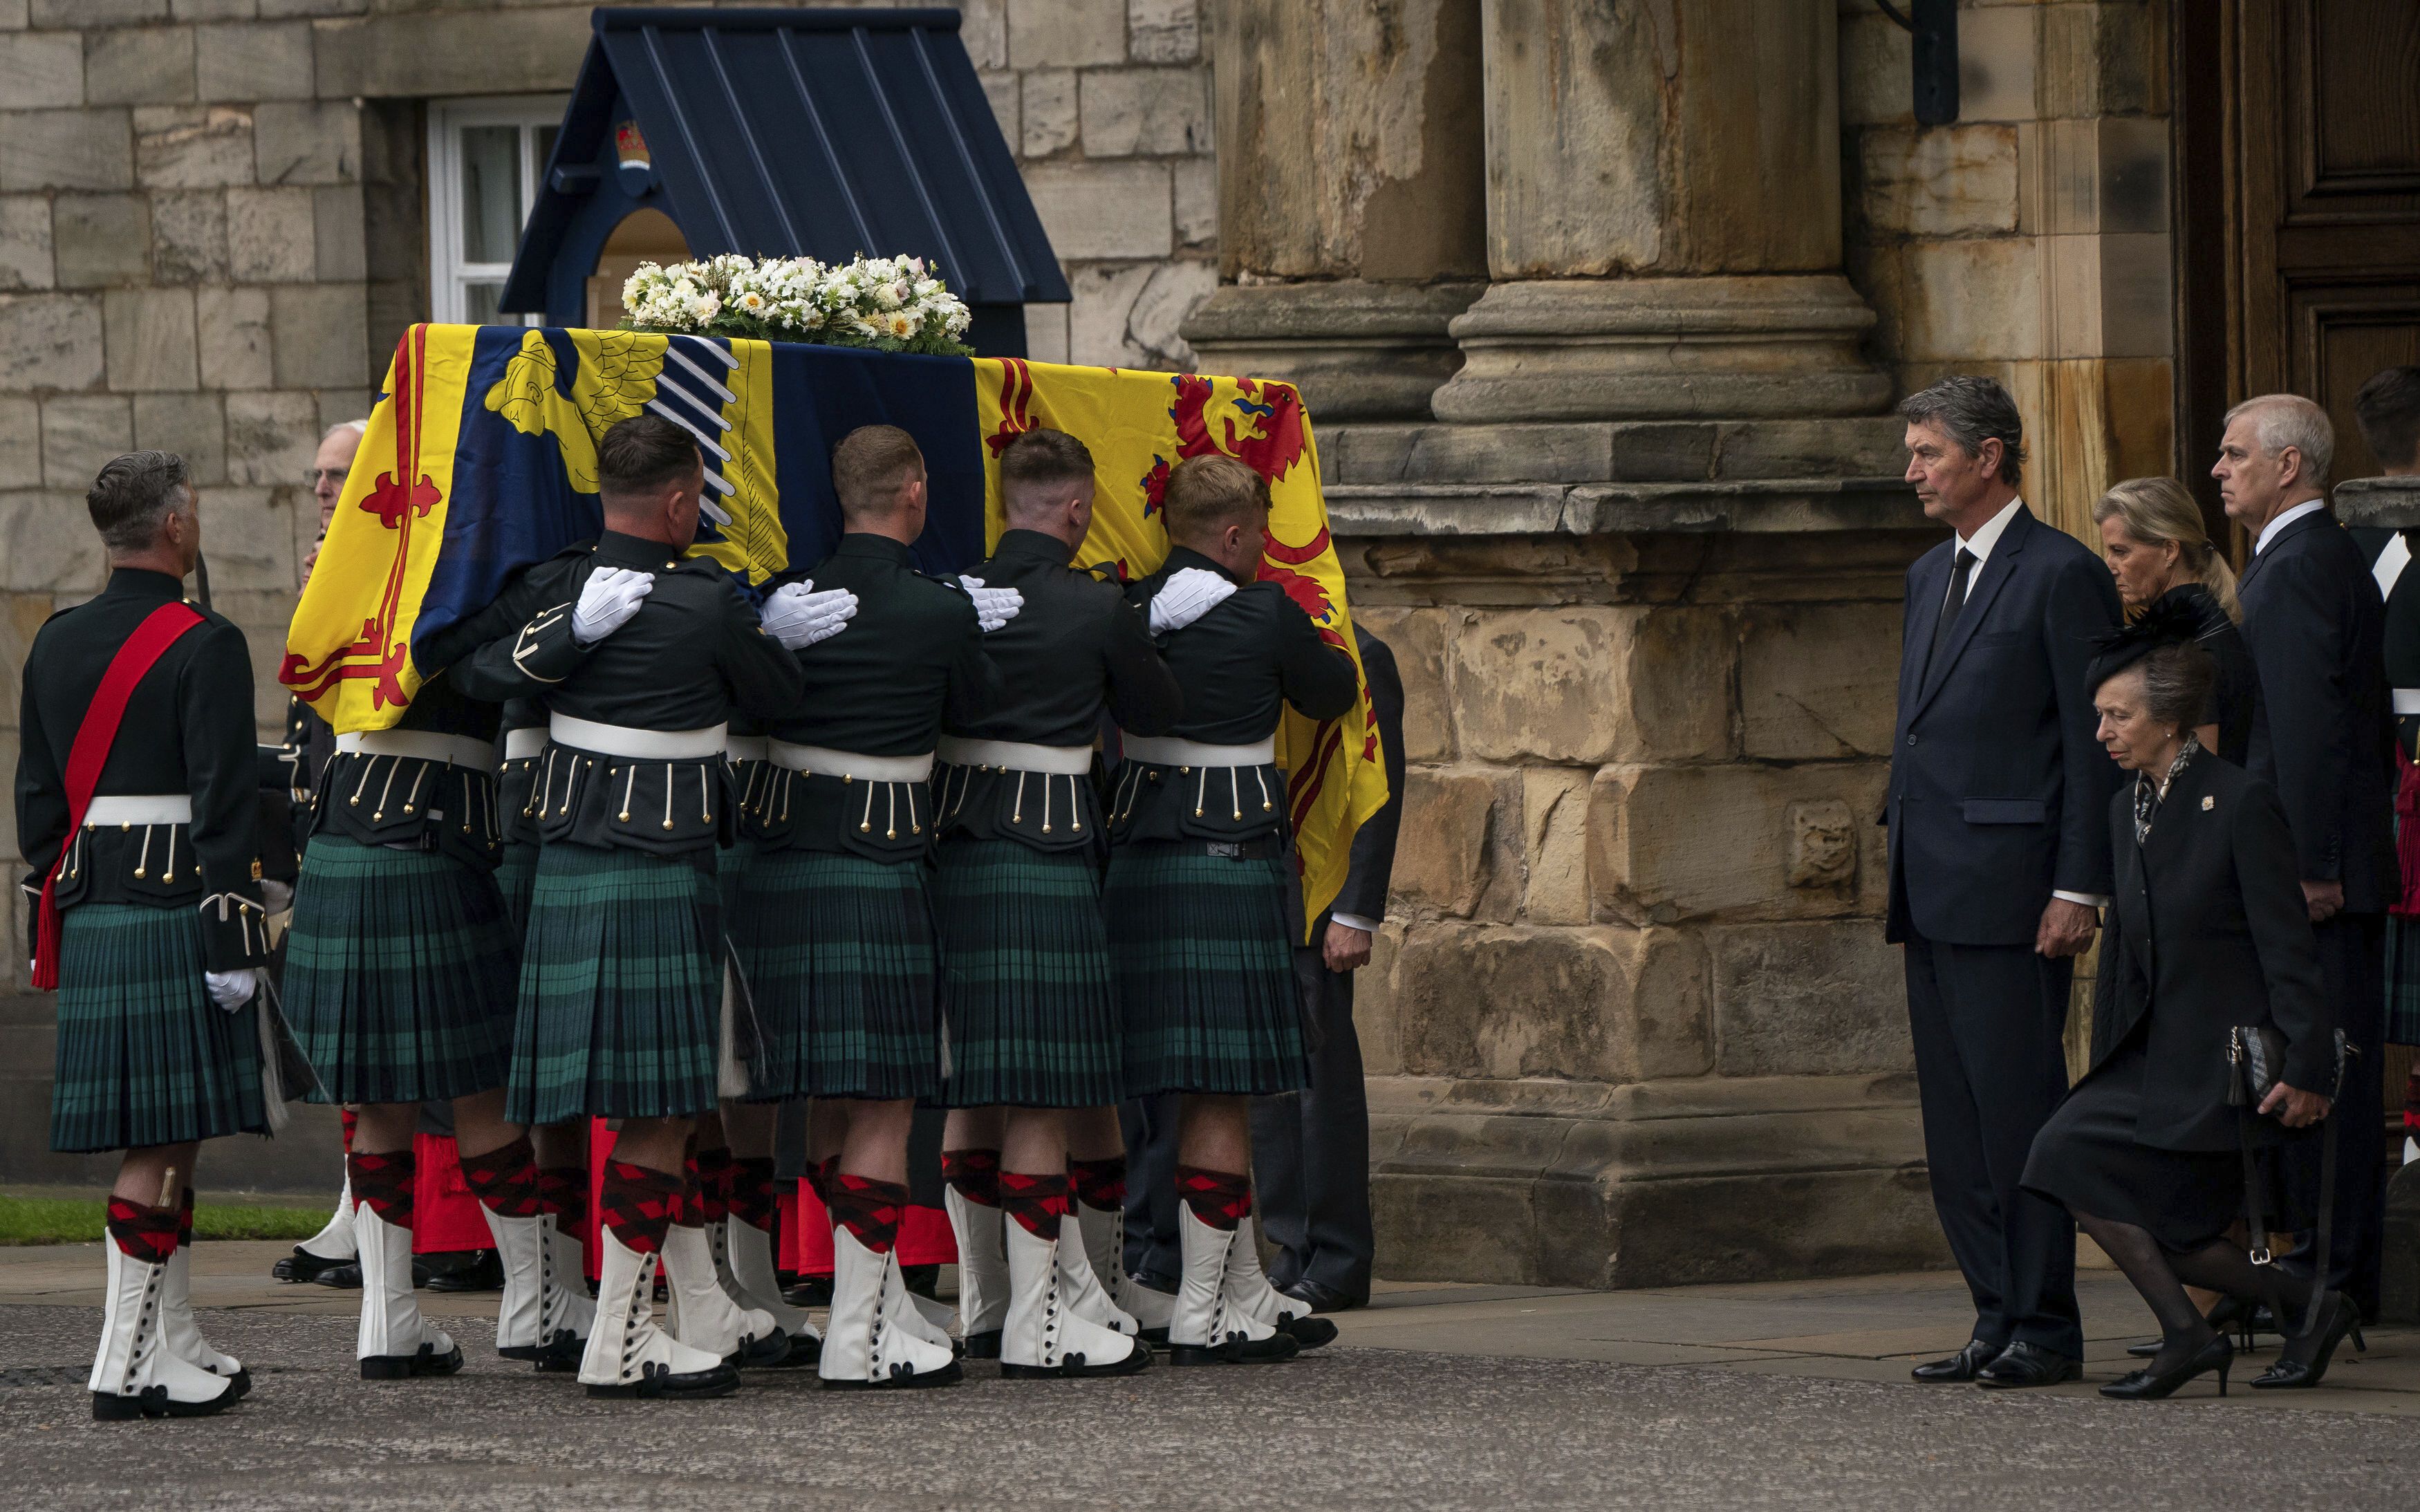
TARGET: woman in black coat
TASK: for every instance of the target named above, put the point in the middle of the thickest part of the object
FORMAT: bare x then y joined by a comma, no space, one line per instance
2208,932
2151,536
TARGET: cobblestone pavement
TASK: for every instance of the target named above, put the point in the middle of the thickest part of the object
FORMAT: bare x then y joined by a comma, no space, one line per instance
1343,1428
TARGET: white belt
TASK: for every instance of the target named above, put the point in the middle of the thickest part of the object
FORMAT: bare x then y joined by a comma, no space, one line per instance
850,763
2407,701
640,745
744,747
140,809
524,744
1163,751
1016,756
423,745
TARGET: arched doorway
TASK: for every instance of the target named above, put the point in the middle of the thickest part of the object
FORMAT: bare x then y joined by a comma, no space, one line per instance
644,235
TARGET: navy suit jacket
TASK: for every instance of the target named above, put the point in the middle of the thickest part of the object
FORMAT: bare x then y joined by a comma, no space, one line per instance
2317,630
1999,794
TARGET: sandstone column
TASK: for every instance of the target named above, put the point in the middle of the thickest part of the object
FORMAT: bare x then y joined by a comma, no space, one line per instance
1663,216
1352,216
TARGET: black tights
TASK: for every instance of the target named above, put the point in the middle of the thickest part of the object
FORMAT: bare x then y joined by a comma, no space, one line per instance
2162,1278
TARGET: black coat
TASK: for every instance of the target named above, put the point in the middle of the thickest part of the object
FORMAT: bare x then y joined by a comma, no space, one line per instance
2315,626
1997,784
1373,843
2209,931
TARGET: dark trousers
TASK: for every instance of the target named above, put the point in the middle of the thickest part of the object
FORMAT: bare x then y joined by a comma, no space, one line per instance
1311,1150
1986,1021
1151,1249
2352,960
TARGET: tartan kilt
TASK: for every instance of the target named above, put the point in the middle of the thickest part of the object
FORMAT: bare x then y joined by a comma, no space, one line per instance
400,974
144,1057
2402,980
1032,1000
845,978
620,989
1205,971
515,875
731,881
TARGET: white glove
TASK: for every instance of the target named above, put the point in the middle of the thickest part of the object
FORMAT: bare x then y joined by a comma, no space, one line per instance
994,606
1187,595
798,616
613,594
231,989
276,897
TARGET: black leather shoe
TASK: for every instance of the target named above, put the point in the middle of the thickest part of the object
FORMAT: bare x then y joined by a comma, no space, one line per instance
2146,1385
2303,1360
1320,1299
466,1271
1964,1365
2024,1365
345,1277
304,1266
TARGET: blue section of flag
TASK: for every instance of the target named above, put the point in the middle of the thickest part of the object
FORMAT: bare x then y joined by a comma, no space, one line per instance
821,394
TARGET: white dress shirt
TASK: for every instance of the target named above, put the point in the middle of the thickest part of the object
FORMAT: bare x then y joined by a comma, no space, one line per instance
1366,925
2269,532
1986,536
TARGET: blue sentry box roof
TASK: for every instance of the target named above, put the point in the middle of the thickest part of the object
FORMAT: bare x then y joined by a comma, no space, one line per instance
819,133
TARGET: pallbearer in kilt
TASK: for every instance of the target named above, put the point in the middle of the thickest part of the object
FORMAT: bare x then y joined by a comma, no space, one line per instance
1033,999
1197,898
835,917
135,809
399,976
642,658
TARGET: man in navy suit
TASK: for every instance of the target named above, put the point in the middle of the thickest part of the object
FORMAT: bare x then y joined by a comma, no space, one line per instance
1999,860
2315,624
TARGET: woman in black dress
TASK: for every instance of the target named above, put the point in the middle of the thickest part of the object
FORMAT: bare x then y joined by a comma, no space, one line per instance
2208,932
2151,536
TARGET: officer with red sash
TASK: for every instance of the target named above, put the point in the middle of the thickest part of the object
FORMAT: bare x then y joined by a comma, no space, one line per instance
136,808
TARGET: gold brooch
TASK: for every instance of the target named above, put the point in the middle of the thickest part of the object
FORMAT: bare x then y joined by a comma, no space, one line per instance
2208,801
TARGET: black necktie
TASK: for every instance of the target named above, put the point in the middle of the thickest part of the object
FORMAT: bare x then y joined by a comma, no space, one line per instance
1954,606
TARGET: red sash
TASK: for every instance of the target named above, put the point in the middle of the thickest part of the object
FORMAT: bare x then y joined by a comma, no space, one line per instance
143,650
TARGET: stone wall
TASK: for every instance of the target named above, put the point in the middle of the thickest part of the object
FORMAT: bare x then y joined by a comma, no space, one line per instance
2029,241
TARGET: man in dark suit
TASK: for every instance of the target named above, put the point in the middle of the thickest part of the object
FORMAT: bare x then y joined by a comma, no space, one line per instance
2315,626
1312,1148
1999,858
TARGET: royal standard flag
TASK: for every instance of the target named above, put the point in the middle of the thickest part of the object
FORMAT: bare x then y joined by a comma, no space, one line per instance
481,459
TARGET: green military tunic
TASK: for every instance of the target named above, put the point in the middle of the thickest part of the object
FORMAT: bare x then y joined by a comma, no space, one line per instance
834,919
143,1056
1032,1000
1199,920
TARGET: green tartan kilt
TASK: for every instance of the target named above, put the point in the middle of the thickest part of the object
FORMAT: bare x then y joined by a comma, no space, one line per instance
144,1057
1206,972
731,864
845,978
400,974
620,989
1032,1000
515,875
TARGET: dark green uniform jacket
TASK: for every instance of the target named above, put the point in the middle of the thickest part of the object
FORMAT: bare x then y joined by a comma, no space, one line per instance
188,729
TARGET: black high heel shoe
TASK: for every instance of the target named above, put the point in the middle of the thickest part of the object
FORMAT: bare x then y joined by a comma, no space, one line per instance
2240,1316
2146,1385
2337,1319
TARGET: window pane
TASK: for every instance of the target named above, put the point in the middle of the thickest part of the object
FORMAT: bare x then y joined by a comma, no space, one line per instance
479,302
491,192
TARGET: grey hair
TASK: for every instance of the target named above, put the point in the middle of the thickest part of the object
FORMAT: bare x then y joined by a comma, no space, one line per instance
359,427
1971,410
2284,420
2176,683
131,494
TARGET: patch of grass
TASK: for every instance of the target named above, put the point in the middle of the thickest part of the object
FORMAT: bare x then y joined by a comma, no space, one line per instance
81,1220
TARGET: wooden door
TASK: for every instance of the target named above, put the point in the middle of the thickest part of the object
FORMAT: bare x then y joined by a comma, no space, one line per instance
2328,248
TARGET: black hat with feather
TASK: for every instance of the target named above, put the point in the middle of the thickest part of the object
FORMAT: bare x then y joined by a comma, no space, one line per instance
2167,621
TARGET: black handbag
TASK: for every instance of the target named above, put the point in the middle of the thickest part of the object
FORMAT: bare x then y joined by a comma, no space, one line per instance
2256,1054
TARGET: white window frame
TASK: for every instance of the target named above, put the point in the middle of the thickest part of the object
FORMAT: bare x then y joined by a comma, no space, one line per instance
448,272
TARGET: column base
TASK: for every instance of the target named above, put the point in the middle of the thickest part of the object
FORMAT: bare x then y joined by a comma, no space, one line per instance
1651,1183
1636,348
1357,351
